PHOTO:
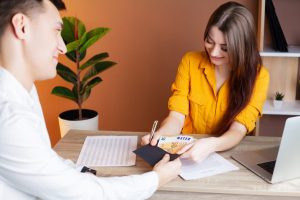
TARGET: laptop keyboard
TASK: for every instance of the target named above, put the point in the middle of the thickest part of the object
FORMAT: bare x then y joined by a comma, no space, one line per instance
268,166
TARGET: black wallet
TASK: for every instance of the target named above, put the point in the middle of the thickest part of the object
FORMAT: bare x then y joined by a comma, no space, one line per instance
153,154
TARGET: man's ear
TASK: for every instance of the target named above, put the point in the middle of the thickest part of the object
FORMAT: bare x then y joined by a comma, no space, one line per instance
19,25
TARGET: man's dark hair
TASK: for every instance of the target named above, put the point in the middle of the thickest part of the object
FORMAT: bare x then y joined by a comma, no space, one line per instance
59,4
8,8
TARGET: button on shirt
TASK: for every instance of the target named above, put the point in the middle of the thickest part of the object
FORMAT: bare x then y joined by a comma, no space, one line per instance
194,95
30,169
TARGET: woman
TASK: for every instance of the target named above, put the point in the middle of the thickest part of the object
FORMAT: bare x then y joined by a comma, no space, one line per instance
221,91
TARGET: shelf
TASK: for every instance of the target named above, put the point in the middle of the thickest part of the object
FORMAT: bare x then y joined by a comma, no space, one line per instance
288,108
294,51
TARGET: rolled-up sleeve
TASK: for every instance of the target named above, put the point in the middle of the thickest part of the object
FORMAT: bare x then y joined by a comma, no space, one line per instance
180,88
253,110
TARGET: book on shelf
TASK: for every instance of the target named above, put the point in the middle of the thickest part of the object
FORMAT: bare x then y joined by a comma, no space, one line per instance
277,35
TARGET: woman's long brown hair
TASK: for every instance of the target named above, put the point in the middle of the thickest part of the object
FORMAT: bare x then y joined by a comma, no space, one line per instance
237,24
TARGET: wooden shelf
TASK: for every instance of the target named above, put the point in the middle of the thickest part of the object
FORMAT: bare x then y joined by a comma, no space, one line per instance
294,51
288,108
283,67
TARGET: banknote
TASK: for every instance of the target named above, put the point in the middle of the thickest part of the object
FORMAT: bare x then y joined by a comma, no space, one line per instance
173,144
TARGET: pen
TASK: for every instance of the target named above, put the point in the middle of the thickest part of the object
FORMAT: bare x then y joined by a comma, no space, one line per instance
153,130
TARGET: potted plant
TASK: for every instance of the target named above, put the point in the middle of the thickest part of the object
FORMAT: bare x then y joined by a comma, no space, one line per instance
84,77
277,102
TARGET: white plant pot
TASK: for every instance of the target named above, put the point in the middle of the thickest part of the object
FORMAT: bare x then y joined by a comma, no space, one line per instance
69,120
277,103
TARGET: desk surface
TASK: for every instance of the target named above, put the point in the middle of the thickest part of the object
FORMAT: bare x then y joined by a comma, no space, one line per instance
241,184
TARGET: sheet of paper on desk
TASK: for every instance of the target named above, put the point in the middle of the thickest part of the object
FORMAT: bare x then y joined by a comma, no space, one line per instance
108,151
214,164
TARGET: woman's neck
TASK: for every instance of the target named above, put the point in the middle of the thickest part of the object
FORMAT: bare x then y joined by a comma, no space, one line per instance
222,73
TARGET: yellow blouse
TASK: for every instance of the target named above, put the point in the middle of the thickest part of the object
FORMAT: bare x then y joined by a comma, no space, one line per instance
194,95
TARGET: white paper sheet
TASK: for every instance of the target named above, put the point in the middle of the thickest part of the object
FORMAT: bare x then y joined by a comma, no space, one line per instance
212,165
108,151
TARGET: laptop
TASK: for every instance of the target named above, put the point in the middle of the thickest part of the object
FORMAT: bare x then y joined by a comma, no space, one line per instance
280,163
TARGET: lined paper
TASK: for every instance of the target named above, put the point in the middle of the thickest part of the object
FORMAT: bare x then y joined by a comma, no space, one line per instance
108,151
212,165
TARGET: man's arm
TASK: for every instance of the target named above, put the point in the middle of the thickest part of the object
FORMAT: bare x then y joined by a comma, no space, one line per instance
29,165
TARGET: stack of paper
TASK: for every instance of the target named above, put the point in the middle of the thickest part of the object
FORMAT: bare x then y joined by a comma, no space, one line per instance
212,165
108,151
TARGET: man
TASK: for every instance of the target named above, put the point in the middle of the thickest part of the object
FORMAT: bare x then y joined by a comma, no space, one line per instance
30,42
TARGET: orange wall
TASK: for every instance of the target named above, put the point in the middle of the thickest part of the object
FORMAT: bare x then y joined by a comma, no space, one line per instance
147,40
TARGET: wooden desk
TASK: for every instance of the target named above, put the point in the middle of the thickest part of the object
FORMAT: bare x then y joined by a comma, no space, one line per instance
241,184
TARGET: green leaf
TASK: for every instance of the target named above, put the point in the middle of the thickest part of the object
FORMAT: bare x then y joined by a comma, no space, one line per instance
91,84
64,92
93,36
68,32
88,87
85,95
89,43
95,59
97,68
72,56
82,56
81,28
72,46
98,31
74,91
66,73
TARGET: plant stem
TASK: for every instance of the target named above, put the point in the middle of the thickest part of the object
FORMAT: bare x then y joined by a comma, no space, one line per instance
79,100
78,86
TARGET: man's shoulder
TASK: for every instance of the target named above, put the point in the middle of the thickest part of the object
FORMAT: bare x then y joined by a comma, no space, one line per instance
11,112
18,124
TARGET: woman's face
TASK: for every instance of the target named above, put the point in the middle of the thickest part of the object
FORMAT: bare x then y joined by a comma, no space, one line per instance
216,47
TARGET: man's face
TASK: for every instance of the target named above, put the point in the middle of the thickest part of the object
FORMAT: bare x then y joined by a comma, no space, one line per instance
44,42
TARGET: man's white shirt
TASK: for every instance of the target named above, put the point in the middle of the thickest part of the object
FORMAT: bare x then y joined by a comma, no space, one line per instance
30,169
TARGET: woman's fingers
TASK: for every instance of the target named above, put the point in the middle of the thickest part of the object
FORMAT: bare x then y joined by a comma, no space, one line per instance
185,148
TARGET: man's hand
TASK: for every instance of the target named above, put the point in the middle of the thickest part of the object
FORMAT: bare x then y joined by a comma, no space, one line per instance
167,170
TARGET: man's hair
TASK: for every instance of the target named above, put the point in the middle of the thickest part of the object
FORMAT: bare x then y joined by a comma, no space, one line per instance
59,4
8,8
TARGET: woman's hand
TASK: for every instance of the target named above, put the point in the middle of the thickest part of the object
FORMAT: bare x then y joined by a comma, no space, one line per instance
146,139
171,126
199,149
